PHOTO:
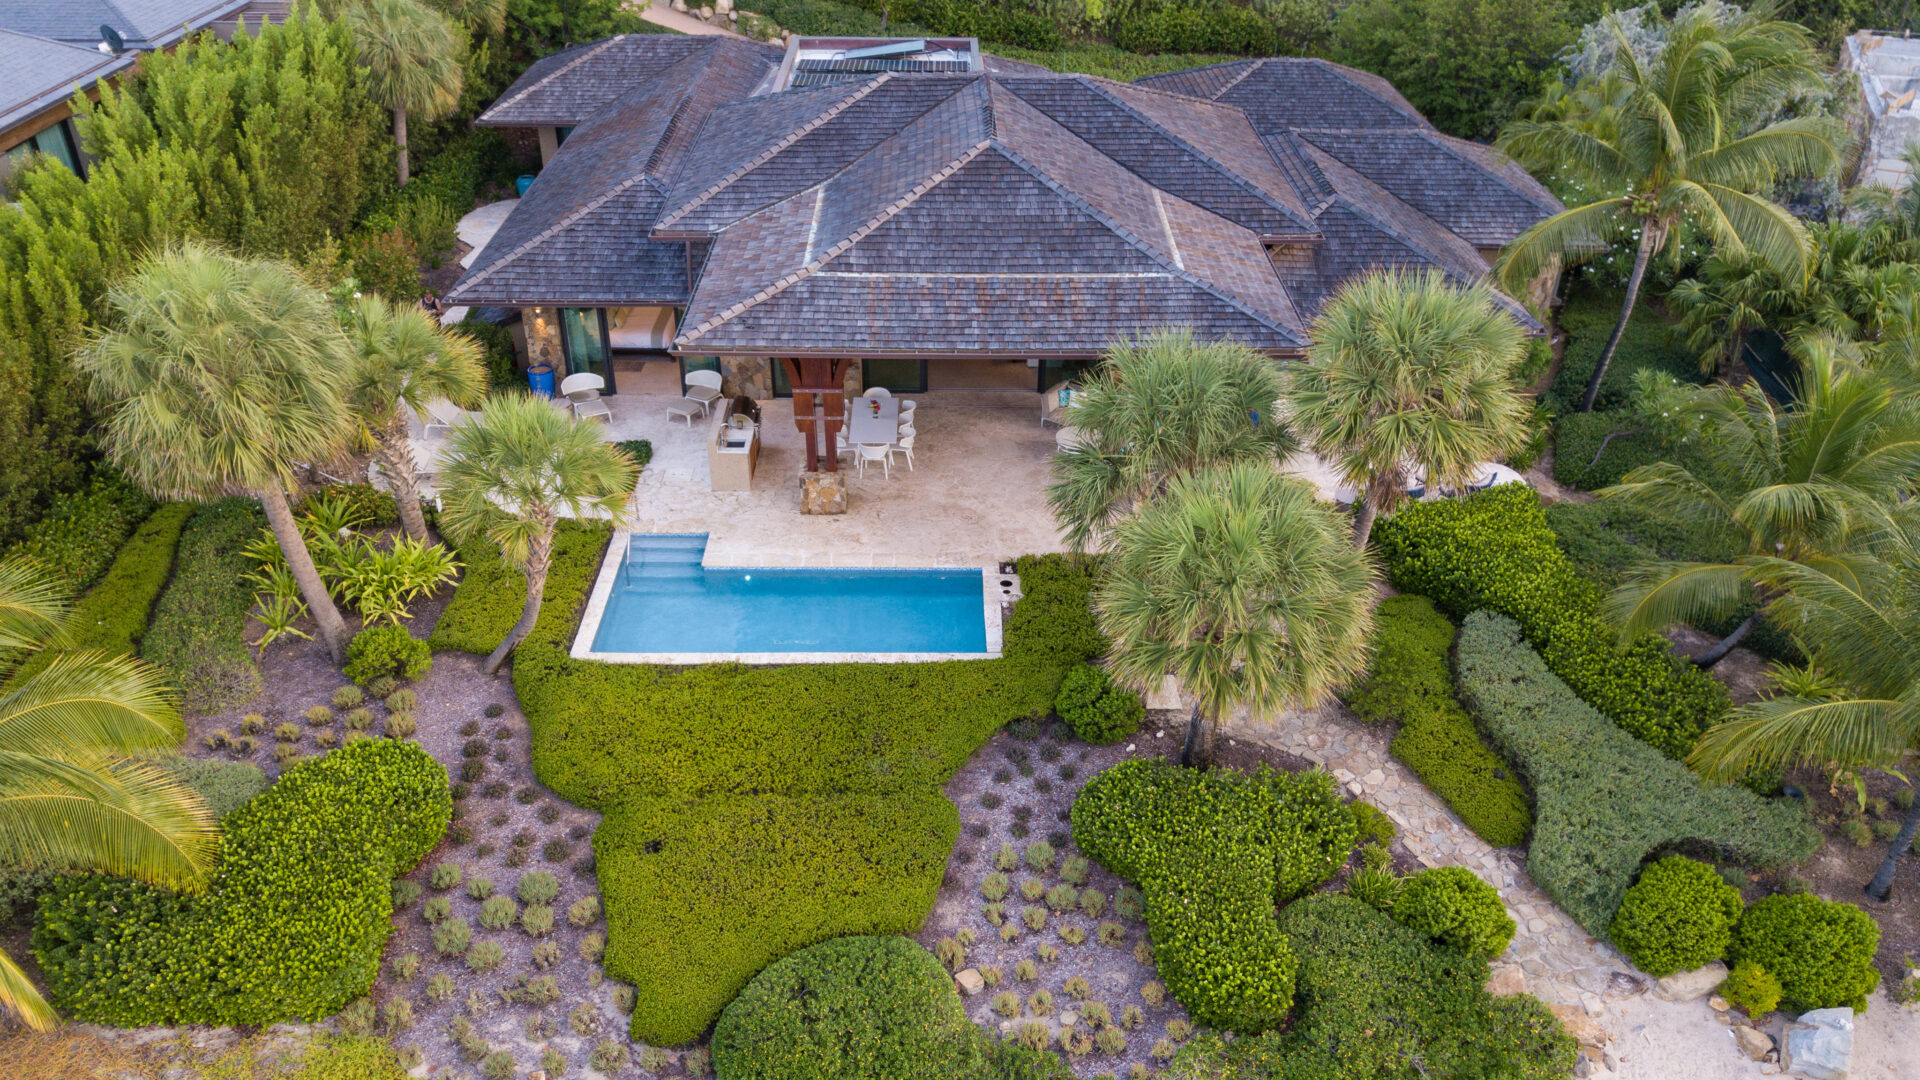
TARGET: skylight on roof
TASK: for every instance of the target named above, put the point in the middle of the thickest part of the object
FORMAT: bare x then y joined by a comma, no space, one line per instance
811,61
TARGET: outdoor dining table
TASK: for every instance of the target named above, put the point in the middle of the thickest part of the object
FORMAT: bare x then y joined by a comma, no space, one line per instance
864,427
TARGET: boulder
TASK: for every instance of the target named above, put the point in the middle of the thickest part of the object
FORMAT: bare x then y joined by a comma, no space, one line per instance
1585,1029
1691,985
1507,980
1622,987
971,982
1819,1045
1754,1043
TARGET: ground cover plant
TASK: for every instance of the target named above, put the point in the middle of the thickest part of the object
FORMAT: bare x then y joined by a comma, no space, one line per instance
198,630
714,780
293,922
1408,683
1604,801
77,539
1494,551
1212,851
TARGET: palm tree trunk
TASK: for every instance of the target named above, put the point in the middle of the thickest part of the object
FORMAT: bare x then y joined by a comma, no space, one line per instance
400,141
1197,753
1648,239
539,559
396,461
1375,496
1719,652
1881,887
333,629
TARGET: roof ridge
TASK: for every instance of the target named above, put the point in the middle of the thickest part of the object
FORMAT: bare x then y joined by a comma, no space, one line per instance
886,214
557,227
768,155
585,54
1251,67
1138,242
1387,226
667,132
1446,141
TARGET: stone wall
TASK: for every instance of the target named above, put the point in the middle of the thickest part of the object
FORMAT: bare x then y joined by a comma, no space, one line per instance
543,339
749,375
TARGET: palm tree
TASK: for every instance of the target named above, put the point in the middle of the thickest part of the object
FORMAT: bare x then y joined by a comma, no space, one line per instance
1239,583
75,793
1861,622
413,62
1155,409
1408,376
1689,145
221,374
1801,485
402,360
482,18
513,473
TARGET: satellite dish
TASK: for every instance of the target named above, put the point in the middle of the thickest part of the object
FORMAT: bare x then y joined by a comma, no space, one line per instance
111,39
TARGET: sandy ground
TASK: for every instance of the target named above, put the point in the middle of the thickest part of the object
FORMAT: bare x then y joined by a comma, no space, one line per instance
1662,1040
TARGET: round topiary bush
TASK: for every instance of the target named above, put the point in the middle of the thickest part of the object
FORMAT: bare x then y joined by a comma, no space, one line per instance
1752,989
1677,917
1096,708
846,1009
381,652
1820,950
1454,907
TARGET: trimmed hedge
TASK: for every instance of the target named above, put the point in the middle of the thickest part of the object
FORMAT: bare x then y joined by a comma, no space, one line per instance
728,791
1679,916
226,785
1098,710
1579,437
76,540
1494,551
1821,951
1604,801
849,1009
198,634
1588,317
1212,852
1223,29
1451,905
1408,682
292,924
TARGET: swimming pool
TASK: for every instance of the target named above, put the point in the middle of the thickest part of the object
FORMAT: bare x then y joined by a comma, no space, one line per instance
663,606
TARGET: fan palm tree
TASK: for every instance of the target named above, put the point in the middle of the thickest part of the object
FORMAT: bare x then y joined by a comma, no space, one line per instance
482,18
1860,620
1689,145
1805,484
1155,409
402,360
1408,376
75,793
219,374
513,473
412,54
1239,583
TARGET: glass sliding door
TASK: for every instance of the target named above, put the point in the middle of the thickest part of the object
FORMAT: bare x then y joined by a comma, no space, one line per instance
899,376
583,336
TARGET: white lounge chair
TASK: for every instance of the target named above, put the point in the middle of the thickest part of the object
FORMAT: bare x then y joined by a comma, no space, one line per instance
582,391
442,413
704,387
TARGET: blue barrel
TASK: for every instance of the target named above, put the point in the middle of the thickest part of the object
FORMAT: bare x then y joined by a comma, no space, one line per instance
540,379
522,183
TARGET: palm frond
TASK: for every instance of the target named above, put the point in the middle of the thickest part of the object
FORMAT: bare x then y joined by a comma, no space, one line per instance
1655,595
19,996
119,816
92,702
1567,236
34,610
1784,731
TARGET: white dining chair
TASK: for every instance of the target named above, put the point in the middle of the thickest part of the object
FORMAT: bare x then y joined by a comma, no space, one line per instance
877,392
907,406
904,446
879,452
905,431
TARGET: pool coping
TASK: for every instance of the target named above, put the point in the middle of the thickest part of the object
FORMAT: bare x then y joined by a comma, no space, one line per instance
991,597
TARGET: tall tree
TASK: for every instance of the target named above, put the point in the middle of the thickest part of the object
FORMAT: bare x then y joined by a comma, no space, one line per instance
1861,622
513,473
1408,374
76,792
412,54
218,375
1155,409
1239,583
1801,484
1690,143
403,359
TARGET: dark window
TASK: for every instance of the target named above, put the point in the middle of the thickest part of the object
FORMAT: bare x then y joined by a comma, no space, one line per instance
899,376
56,142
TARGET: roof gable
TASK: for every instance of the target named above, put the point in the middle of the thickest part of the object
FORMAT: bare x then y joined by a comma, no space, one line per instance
144,24
568,87
43,73
1424,170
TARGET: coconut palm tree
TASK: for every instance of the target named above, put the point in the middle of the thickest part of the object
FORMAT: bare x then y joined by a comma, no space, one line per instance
1408,376
412,54
1690,145
218,375
1239,583
402,360
75,793
1155,409
513,473
1805,484
1860,620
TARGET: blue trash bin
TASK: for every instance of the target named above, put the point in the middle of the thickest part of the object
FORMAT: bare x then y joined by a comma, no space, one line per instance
540,379
522,183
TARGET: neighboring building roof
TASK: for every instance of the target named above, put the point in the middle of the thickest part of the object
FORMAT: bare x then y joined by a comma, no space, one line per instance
143,24
564,89
42,73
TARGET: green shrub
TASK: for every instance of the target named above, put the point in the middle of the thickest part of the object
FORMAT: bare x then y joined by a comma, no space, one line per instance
1820,951
1212,851
1097,709
198,632
1375,826
1211,29
496,345
1451,905
1594,450
1408,683
291,926
1677,917
82,530
847,1009
226,785
1588,317
640,450
1604,801
371,507
387,650
112,617
537,887
1493,550
1752,989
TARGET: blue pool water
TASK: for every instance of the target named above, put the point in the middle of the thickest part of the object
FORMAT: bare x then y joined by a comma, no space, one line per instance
664,601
